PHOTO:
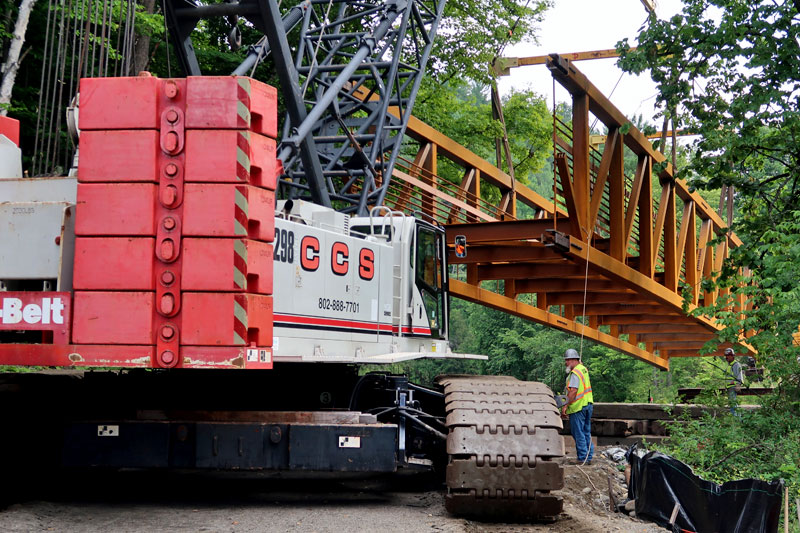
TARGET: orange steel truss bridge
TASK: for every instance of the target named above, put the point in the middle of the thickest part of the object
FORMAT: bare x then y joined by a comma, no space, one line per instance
617,246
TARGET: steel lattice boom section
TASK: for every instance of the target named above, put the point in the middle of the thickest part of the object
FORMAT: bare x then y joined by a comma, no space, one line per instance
336,146
644,247
377,47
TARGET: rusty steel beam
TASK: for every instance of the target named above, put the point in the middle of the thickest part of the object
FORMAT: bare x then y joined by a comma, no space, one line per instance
435,193
688,352
561,285
473,293
504,253
679,345
460,155
564,298
610,268
577,83
512,230
661,328
626,309
529,271
644,319
657,338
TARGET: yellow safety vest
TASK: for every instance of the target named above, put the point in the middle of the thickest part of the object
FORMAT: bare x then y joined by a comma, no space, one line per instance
584,396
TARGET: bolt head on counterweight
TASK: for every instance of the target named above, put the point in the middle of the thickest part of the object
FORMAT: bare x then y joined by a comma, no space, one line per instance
167,332
172,116
167,304
167,249
167,357
171,141
167,278
171,89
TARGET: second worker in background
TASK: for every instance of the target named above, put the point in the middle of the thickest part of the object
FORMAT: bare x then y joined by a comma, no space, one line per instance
579,405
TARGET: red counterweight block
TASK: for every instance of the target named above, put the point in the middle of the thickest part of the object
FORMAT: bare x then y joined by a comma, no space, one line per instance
117,264
123,155
112,318
240,265
212,102
226,319
231,102
230,156
176,210
119,104
224,210
10,128
116,209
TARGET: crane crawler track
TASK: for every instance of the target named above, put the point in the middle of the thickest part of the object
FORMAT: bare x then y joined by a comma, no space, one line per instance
503,441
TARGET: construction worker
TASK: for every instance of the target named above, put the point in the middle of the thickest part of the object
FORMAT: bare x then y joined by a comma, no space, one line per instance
734,376
579,405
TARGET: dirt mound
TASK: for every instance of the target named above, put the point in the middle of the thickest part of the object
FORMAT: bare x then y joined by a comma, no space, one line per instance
586,502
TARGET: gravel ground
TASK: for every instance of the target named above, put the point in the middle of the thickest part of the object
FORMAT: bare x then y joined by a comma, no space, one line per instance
145,502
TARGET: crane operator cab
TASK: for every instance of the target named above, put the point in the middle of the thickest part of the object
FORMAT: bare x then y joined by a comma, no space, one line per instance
368,289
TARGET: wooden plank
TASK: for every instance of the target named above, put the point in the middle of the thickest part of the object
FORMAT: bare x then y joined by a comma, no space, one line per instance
512,62
684,231
652,411
680,345
702,245
690,393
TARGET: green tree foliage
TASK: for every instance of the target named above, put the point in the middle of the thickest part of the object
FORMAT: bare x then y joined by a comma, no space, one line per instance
473,32
462,111
731,71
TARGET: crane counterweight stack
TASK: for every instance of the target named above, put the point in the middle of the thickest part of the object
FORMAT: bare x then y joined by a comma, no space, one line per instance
193,239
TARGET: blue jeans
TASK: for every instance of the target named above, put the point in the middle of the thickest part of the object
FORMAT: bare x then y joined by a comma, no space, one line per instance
732,400
580,425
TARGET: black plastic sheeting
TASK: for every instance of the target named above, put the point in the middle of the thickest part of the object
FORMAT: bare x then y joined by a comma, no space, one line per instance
659,481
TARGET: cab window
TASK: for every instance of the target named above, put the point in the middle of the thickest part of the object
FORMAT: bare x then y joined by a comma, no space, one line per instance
430,278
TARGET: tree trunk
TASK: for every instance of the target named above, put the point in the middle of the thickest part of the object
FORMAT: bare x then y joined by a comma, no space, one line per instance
141,51
11,64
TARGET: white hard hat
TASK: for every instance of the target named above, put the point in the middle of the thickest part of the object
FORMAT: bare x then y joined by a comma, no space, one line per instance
571,354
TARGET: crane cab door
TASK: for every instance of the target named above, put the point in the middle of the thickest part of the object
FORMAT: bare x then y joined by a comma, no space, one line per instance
430,272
